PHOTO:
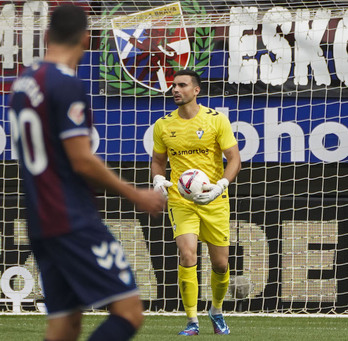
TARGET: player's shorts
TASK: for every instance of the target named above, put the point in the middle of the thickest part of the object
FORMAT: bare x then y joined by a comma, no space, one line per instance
211,223
83,269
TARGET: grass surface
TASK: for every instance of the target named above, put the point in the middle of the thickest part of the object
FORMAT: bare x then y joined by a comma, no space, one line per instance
160,328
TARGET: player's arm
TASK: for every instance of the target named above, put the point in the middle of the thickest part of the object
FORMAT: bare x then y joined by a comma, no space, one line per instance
231,171
158,171
233,165
93,170
158,163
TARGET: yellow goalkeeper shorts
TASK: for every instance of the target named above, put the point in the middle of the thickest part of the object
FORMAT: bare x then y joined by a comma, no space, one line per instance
211,223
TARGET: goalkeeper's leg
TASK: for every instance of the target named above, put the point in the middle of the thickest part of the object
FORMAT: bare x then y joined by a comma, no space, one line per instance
219,286
188,282
220,277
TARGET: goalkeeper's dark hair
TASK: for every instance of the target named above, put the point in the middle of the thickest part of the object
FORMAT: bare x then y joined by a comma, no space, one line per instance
194,75
67,26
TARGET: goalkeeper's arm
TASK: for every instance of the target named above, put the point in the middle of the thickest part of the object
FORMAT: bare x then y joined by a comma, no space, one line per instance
158,170
231,171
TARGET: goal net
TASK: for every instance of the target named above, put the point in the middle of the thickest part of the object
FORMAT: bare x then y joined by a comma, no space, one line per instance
278,70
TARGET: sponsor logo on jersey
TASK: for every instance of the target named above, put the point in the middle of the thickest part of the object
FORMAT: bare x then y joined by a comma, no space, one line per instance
172,134
189,152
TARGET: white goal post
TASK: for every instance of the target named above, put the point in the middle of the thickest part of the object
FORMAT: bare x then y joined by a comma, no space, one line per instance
278,70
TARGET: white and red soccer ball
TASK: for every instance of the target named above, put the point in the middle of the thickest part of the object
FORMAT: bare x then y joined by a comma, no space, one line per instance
191,183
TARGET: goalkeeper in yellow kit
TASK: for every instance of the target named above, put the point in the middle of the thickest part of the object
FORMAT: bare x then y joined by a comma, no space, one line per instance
194,136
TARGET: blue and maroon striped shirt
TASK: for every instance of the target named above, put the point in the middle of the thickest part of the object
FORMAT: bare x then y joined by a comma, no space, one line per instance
49,104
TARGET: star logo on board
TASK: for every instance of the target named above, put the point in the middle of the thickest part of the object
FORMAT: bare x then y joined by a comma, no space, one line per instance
200,133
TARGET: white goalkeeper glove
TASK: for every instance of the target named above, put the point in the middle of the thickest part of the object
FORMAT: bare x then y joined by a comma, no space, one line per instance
160,184
213,192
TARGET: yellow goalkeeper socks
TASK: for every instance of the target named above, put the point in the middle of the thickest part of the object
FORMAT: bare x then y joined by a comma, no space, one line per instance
219,286
188,285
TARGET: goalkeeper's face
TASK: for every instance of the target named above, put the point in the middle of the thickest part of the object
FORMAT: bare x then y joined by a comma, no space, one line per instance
184,90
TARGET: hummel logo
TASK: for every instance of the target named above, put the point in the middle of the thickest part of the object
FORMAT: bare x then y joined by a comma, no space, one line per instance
104,258
172,134
212,112
108,254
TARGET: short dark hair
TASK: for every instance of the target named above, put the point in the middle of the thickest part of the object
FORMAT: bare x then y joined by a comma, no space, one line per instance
194,75
67,25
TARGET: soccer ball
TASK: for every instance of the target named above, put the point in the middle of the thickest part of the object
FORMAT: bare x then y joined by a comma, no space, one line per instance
190,183
240,287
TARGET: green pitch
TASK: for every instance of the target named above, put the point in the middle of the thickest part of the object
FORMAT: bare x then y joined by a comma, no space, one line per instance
159,328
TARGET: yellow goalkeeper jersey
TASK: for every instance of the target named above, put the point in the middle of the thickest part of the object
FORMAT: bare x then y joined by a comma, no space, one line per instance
194,143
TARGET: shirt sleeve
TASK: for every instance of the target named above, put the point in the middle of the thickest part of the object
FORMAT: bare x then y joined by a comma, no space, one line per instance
225,135
72,109
158,144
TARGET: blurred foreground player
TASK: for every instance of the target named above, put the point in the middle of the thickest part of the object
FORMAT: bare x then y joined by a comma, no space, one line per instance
81,263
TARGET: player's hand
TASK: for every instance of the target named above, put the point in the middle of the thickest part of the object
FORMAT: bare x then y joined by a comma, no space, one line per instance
150,201
160,184
213,191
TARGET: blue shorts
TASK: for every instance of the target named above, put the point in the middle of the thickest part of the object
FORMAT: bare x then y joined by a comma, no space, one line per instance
81,270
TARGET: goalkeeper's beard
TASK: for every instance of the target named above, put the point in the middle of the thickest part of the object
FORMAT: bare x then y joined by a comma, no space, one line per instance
182,101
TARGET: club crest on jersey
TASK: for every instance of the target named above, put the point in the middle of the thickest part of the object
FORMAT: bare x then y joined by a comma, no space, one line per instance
76,112
151,55
200,133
